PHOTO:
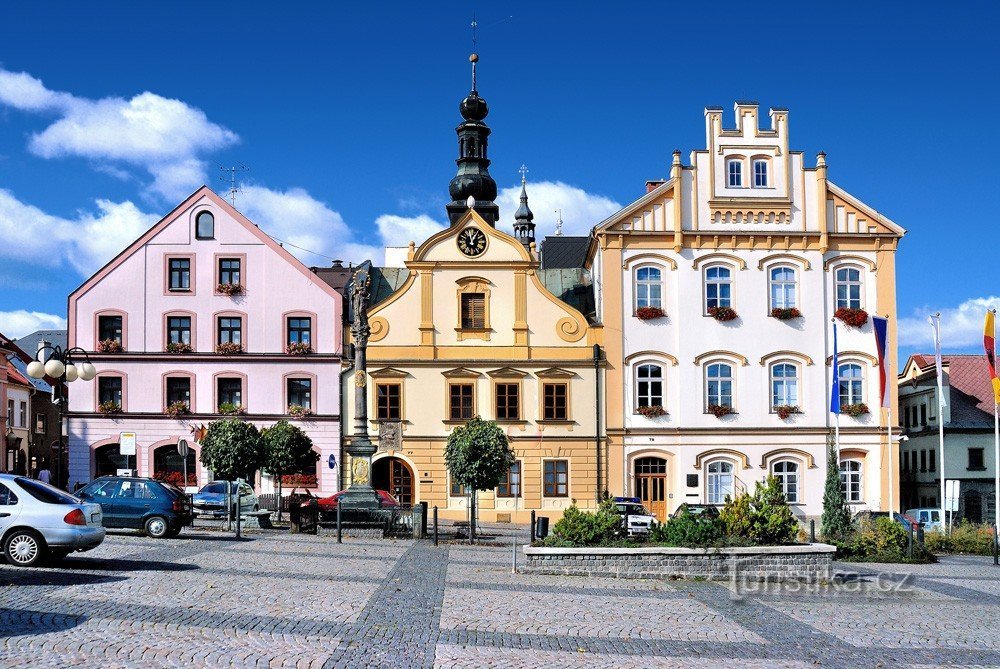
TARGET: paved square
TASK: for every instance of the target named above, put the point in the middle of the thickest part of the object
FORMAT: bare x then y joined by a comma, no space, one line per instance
280,600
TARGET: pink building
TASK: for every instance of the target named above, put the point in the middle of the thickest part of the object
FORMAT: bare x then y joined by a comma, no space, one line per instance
206,313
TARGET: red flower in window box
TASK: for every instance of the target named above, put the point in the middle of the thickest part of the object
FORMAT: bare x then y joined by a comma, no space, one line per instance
109,346
177,409
654,411
109,408
176,478
230,289
229,348
178,347
720,410
649,313
785,314
786,410
296,411
298,348
723,314
299,480
855,410
855,318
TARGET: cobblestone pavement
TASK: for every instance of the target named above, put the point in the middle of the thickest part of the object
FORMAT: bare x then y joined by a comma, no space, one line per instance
280,600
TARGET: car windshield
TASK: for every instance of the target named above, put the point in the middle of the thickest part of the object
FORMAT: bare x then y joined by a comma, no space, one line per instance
43,492
219,487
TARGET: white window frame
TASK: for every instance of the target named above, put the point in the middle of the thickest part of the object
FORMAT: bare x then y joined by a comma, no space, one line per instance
849,283
767,172
787,472
786,397
772,283
715,492
719,282
648,381
738,172
720,379
854,491
851,397
647,285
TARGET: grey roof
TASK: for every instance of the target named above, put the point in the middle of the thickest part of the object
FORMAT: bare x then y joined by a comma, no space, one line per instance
29,342
574,287
385,282
21,366
562,252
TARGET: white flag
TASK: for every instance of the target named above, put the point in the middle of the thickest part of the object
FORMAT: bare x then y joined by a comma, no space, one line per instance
936,326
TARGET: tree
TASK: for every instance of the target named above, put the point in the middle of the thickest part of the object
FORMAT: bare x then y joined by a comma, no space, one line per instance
478,456
836,521
231,448
286,448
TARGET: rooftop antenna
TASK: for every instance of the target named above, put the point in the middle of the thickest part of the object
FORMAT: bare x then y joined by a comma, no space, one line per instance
233,189
559,222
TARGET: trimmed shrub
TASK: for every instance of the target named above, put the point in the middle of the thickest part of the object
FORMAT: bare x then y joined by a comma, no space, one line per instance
689,531
763,518
584,528
881,540
965,537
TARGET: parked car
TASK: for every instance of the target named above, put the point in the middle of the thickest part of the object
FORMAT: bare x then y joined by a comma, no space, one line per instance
900,518
929,518
39,522
328,505
638,521
129,502
211,499
707,510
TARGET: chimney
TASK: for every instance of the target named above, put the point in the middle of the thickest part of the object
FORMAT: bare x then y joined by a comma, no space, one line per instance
337,264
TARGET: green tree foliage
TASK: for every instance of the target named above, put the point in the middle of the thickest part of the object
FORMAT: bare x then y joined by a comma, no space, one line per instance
761,519
689,531
232,449
286,449
965,537
836,520
583,528
478,454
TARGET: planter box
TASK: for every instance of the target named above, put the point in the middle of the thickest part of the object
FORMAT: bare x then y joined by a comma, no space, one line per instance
802,562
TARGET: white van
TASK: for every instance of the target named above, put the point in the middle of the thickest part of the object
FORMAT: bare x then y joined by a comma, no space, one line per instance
929,518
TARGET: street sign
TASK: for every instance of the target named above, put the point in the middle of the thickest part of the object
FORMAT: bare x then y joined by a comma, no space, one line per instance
126,443
332,461
182,448
951,489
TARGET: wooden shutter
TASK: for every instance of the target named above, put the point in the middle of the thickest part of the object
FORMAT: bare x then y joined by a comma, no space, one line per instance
474,311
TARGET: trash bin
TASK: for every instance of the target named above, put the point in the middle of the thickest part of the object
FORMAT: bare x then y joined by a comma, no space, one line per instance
295,512
541,527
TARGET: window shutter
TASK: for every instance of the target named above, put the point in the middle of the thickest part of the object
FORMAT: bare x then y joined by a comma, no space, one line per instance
474,311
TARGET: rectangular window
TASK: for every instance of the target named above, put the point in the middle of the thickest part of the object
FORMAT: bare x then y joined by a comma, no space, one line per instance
388,401
906,417
456,489
735,172
300,392
923,461
923,415
460,405
230,391
511,485
10,413
230,330
976,459
554,401
178,390
109,389
299,330
760,174
932,461
229,271
473,311
508,401
180,274
556,478
109,327
23,415
179,330
40,423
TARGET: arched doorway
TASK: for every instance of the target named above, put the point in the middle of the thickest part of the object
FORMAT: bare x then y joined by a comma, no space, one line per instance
108,460
168,466
394,475
651,485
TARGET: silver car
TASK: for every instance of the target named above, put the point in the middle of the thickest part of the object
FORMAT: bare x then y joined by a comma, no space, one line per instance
38,521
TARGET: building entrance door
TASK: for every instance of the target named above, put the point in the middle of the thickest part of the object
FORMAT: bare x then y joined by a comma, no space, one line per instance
394,476
651,485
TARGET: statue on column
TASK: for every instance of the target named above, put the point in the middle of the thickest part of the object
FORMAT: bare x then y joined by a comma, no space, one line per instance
360,494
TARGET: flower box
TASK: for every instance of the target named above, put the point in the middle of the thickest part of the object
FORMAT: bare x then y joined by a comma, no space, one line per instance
230,289
178,347
299,480
854,318
855,410
722,314
786,314
230,409
720,410
649,313
229,348
109,346
177,409
109,408
784,411
296,411
654,411
177,478
298,348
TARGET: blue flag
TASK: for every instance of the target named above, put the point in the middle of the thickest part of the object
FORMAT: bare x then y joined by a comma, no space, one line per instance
835,389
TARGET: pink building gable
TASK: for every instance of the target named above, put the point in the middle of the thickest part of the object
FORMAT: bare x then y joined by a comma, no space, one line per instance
165,288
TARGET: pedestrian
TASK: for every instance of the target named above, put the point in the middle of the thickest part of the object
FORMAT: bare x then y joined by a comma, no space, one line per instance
44,475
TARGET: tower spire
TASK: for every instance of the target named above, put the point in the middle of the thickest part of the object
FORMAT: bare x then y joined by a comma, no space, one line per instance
524,227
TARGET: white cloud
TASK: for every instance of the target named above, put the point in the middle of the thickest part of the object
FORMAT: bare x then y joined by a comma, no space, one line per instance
85,242
580,210
18,323
161,135
401,230
961,326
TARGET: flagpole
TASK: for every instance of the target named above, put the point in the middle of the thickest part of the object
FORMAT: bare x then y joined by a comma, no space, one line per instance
893,474
996,443
939,373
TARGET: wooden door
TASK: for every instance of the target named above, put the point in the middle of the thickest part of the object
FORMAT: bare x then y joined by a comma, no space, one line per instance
651,485
401,482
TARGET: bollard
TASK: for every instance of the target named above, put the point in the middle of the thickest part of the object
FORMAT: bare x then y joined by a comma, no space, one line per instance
435,526
532,526
513,554
812,530
909,543
239,495
996,546
340,534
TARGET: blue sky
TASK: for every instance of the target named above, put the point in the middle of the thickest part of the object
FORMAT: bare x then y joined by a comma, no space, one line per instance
110,114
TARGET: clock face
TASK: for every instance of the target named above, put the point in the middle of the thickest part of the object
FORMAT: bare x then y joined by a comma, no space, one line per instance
471,242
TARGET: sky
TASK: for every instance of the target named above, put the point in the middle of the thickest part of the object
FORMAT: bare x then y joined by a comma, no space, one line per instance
112,113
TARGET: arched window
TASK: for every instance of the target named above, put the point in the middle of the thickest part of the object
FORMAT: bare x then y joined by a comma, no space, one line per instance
204,225
784,384
168,466
648,287
787,473
719,386
649,386
783,288
848,287
851,383
850,481
760,173
719,481
718,287
734,173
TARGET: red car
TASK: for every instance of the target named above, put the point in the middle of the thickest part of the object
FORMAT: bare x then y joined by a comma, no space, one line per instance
329,504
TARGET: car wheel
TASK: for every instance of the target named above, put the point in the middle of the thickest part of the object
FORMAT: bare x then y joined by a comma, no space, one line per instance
24,548
157,527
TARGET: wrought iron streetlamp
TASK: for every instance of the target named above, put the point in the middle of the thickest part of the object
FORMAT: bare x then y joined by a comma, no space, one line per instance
66,365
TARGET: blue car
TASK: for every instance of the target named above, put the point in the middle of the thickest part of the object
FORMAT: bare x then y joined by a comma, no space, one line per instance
157,508
210,501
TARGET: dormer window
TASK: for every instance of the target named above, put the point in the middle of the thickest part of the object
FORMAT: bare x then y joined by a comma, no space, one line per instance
760,173
734,170
204,227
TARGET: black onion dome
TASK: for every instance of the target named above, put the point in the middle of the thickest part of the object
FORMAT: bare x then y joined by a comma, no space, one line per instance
473,108
479,185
